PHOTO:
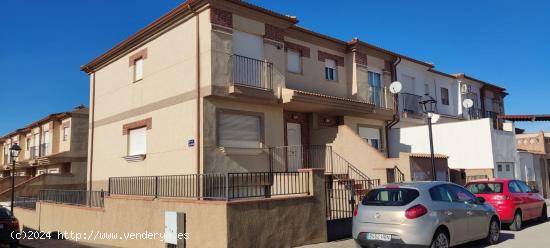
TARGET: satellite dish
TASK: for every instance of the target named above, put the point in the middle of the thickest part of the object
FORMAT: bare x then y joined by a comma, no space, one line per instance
467,103
396,87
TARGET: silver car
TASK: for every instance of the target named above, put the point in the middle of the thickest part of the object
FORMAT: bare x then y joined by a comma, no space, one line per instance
423,214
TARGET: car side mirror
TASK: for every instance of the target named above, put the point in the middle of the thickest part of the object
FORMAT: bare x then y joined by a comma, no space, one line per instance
481,200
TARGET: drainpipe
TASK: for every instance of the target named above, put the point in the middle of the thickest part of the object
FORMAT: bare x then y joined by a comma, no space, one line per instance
198,116
395,118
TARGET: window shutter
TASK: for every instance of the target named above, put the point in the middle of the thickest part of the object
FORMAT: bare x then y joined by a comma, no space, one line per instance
138,69
329,63
294,64
137,141
248,45
241,131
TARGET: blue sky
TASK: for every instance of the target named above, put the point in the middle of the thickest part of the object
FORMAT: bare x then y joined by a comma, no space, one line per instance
43,43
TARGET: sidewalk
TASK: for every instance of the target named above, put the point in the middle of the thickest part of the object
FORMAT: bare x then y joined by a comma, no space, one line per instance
56,243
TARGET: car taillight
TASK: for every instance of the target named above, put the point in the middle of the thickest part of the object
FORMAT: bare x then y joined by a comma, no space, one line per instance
416,211
15,223
501,197
355,210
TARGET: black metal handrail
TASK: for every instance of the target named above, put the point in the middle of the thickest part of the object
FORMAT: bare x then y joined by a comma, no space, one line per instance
73,197
292,158
251,72
25,202
475,113
227,186
410,102
497,123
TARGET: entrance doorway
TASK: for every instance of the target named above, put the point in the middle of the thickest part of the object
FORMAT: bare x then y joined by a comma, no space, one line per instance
294,142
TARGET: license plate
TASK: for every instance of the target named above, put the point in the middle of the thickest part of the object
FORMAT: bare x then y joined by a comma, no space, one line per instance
379,236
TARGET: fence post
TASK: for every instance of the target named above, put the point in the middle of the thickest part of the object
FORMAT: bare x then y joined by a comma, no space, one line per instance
156,186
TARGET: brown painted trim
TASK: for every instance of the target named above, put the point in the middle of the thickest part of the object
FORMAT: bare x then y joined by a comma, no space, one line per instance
274,33
361,58
192,201
220,111
137,124
322,56
303,50
221,17
141,54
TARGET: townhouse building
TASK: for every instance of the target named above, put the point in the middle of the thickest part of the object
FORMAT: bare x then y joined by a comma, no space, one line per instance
534,160
229,113
53,154
481,143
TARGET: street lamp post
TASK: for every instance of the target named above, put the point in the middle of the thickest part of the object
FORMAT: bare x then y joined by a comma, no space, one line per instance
14,153
429,104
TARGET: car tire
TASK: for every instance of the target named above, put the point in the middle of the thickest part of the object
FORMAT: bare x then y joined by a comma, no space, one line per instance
440,240
516,223
544,216
493,235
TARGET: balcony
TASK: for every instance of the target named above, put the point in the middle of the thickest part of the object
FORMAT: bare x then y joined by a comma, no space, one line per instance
44,149
34,152
475,113
410,103
251,72
380,97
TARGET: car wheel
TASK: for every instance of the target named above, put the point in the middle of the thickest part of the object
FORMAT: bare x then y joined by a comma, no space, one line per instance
494,233
441,240
516,224
544,216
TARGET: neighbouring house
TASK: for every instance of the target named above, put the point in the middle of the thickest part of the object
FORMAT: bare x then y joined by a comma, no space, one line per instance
53,154
534,160
455,125
229,113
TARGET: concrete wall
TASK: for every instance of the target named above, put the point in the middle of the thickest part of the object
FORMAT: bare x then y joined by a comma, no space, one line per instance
276,222
469,144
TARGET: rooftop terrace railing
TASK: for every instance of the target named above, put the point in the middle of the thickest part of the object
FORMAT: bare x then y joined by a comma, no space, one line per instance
251,72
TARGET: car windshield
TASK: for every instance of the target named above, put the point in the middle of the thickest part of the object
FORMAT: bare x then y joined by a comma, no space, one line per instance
390,197
4,213
485,188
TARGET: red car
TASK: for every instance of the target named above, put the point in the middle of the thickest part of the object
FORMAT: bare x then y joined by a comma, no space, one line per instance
513,200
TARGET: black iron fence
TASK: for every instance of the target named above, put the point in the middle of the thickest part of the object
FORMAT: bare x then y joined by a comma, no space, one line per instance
292,158
213,186
25,202
73,197
252,72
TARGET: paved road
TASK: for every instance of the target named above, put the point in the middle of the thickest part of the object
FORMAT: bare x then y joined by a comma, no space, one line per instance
534,234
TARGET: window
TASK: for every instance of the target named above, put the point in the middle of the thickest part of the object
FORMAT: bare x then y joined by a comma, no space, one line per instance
137,141
440,193
65,133
426,89
330,70
28,147
390,197
294,61
499,167
239,130
460,194
138,69
513,187
524,188
375,88
53,171
371,136
485,188
444,96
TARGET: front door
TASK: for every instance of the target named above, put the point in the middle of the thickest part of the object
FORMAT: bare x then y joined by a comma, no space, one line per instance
294,141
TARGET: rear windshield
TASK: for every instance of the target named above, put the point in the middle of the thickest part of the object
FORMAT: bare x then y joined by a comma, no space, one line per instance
485,188
390,197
